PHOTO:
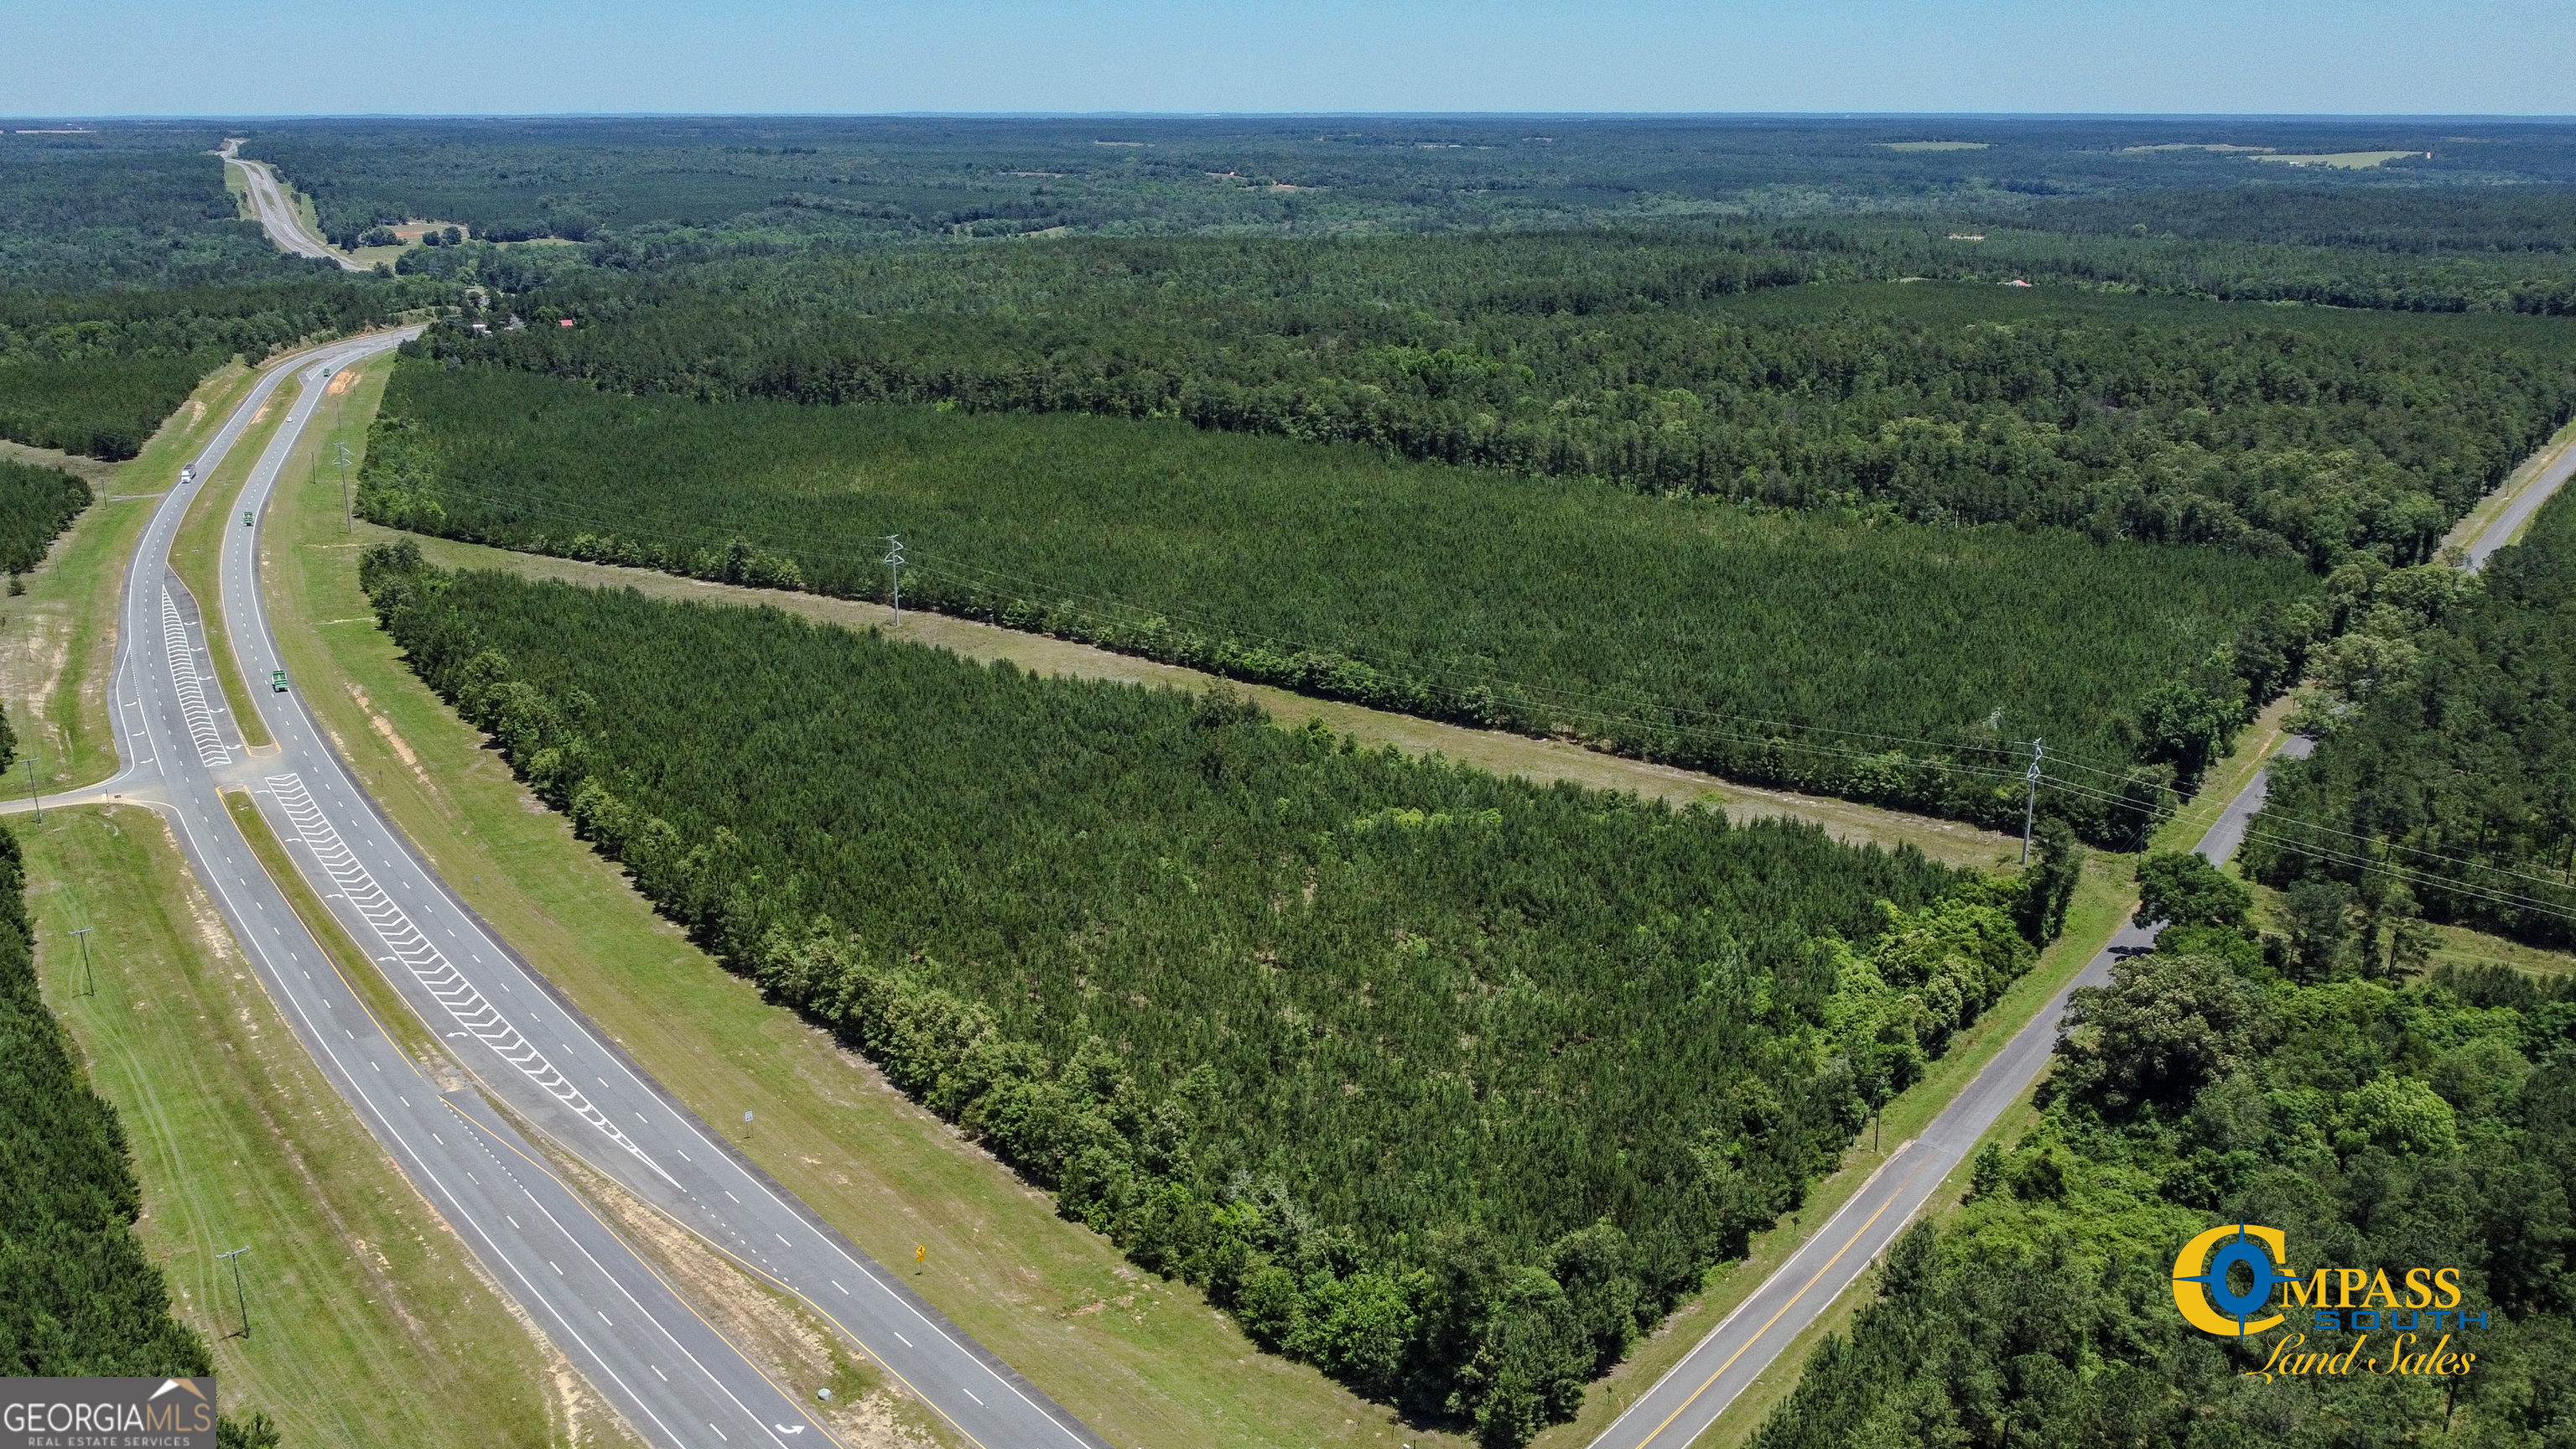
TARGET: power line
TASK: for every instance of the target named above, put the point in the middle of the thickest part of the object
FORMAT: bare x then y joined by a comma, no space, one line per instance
975,576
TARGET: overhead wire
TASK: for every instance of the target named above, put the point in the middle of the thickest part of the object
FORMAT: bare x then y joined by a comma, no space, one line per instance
970,575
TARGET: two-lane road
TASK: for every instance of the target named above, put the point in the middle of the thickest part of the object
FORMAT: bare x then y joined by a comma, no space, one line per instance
1682,1404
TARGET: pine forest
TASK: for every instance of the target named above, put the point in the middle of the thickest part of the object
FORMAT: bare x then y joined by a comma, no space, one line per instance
1867,657
1448,1083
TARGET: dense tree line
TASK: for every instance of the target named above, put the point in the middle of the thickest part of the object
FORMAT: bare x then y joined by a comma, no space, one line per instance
2414,221
1637,358
1869,658
95,372
125,208
102,407
648,183
2445,783
36,505
2381,1122
77,1295
1448,1083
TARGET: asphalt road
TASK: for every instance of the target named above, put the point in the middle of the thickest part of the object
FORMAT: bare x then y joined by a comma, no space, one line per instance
278,215
2499,533
1681,1405
647,1350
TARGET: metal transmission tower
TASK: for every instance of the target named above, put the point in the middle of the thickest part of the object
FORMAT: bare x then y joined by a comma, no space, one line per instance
239,1297
894,568
2030,803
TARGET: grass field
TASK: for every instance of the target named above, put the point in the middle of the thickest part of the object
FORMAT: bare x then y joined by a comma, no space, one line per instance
2340,160
58,646
1144,1363
369,1323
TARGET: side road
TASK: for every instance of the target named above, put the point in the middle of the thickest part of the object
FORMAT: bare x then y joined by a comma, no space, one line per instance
1689,1398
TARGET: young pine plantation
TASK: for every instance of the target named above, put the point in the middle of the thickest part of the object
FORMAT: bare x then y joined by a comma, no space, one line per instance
1875,659
1447,1083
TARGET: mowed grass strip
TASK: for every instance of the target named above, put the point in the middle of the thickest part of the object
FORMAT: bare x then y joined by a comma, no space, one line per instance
369,1324
59,645
356,969
1142,1362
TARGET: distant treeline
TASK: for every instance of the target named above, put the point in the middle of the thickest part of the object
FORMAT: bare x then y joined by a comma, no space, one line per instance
1640,358
96,372
125,208
645,187
1448,1083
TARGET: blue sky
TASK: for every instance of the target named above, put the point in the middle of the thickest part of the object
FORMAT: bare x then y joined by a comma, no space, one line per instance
229,57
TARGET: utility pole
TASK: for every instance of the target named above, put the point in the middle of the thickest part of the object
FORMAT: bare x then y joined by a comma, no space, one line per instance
89,975
348,515
38,800
2030,803
238,1296
894,568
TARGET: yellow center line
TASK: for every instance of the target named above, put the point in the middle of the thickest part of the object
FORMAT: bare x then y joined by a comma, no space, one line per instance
1856,1236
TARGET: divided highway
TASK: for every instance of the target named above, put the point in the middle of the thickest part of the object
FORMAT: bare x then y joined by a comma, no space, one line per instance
525,1048
278,215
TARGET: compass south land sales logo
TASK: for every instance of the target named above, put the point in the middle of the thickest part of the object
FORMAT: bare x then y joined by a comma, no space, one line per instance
2234,1281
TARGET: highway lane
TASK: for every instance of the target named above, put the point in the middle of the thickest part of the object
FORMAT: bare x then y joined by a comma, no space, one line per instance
1681,1405
531,1048
278,215
647,1351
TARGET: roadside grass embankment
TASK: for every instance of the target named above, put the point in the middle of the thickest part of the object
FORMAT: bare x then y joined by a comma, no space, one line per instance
1143,1362
369,1322
58,647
